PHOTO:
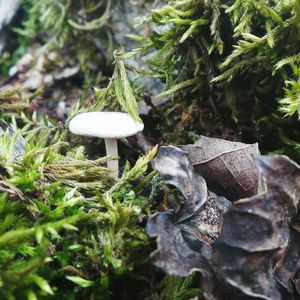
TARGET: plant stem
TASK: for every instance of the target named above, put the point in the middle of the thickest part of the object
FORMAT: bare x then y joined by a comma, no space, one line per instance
111,146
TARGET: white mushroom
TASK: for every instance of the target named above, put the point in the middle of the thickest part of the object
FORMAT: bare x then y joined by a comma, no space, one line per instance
107,125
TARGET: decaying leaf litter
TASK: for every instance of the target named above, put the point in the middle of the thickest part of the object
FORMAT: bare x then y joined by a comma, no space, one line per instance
244,242
224,218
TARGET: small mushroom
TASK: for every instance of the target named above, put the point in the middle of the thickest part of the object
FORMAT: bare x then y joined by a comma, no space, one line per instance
107,125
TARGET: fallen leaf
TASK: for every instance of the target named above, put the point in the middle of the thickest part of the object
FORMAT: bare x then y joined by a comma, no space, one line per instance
175,168
280,174
206,223
227,167
184,237
173,254
248,251
288,265
250,273
257,251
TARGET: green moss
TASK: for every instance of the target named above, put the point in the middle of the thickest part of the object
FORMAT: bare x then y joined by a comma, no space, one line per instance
236,61
64,222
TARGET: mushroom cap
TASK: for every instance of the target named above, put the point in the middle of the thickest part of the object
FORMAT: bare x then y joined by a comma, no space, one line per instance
105,124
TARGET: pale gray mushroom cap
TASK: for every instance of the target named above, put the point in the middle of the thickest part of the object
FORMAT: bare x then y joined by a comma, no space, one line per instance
105,125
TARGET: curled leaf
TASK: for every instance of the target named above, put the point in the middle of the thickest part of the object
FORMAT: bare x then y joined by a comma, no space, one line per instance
248,251
176,170
280,174
206,223
257,250
184,236
288,265
173,254
250,273
227,167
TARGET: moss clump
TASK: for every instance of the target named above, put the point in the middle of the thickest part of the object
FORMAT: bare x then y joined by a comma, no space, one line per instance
231,63
64,221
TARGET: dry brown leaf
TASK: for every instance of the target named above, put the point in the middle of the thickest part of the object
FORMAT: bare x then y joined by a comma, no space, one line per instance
288,264
257,255
176,170
250,273
227,167
183,237
173,253
257,251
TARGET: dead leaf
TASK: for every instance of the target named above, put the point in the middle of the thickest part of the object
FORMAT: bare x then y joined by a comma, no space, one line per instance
183,237
206,223
175,168
250,273
280,174
288,264
257,251
173,254
227,167
257,255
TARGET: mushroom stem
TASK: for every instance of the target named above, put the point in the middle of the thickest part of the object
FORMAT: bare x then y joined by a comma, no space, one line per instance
111,146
